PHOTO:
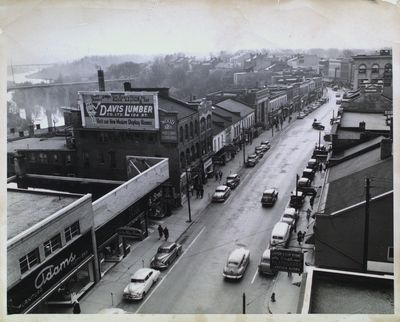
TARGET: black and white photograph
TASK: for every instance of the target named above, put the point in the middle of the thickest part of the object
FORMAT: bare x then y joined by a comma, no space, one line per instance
186,158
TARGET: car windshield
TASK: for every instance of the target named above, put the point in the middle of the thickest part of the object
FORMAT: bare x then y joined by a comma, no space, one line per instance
220,190
230,178
288,216
277,237
265,260
251,158
136,280
233,264
163,250
267,197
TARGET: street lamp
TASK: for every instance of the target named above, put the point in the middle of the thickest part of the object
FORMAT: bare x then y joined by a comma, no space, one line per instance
188,194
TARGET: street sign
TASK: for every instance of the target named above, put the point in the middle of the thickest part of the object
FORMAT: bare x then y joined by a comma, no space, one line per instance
287,260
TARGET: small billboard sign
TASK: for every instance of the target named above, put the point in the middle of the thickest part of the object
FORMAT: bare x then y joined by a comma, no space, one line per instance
287,260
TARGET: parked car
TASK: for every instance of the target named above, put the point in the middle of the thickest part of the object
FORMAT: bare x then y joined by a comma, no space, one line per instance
301,115
266,144
296,199
259,150
312,164
221,194
237,262
141,283
252,160
318,126
337,95
112,310
289,216
165,255
265,264
269,197
308,173
233,180
280,235
303,183
338,102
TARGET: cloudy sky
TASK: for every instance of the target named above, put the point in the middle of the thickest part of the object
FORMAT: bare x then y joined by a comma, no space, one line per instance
51,31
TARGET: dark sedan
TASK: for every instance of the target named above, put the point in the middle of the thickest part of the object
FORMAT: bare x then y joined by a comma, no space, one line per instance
252,160
166,254
233,180
318,126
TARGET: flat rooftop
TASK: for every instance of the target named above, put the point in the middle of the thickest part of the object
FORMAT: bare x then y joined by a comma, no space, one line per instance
53,143
27,208
351,294
373,121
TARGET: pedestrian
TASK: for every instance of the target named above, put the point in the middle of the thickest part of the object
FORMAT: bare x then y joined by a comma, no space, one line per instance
304,235
320,167
308,214
220,175
312,201
160,231
197,192
166,233
201,192
76,307
299,237
216,176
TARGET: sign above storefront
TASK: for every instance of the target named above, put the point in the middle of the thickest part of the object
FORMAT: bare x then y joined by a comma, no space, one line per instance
287,260
136,111
46,276
169,128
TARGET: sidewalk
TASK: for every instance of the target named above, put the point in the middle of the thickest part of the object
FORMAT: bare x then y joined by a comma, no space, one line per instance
108,292
287,288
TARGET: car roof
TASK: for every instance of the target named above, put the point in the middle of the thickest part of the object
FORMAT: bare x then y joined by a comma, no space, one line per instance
313,160
307,170
233,175
280,228
299,193
223,187
253,156
264,142
141,273
266,253
290,211
237,254
302,179
167,244
269,191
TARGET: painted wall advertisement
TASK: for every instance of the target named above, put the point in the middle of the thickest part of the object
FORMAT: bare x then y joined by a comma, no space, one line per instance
169,128
119,110
32,287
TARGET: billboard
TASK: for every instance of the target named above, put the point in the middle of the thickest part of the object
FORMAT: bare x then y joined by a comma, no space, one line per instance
287,260
169,128
136,111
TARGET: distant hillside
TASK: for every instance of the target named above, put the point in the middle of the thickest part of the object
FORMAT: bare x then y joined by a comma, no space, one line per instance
85,68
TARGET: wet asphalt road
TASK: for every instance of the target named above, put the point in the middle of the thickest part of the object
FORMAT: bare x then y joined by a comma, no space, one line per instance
194,284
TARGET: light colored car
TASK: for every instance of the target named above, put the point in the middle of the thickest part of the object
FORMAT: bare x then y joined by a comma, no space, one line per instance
165,255
266,145
265,263
259,150
269,197
301,115
141,283
221,194
289,216
237,262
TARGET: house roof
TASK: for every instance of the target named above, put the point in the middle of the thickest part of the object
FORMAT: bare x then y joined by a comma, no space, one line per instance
225,113
367,102
356,150
347,179
235,106
173,105
373,121
53,143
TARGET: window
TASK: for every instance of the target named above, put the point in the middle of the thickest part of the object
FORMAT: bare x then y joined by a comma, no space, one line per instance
196,127
68,159
390,254
72,231
32,157
113,161
375,69
191,130
388,68
43,157
101,158
28,261
362,69
186,132
52,245
55,157
181,134
202,124
86,162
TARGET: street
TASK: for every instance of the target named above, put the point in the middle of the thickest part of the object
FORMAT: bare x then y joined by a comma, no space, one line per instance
194,283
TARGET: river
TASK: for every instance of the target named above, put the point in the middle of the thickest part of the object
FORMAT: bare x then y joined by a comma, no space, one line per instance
41,118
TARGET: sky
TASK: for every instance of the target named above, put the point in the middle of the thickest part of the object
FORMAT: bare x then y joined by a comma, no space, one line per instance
54,31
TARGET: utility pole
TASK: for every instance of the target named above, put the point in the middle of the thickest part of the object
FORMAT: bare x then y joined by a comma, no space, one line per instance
244,149
366,224
244,303
319,139
297,179
188,196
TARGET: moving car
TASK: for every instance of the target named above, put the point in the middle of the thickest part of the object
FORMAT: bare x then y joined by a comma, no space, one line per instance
269,197
265,264
318,126
301,115
296,199
140,283
252,160
289,216
165,255
221,194
233,180
237,263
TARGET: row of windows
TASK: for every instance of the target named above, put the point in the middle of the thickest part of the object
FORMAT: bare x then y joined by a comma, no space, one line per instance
50,246
189,130
362,69
195,152
101,159
111,137
50,157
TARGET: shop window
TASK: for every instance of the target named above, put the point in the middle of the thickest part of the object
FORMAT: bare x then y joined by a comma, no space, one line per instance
390,254
43,157
72,231
29,261
362,69
52,245
103,137
86,162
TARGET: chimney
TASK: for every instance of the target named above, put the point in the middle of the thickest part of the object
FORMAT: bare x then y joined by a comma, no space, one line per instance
362,126
386,148
31,130
100,76
127,86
